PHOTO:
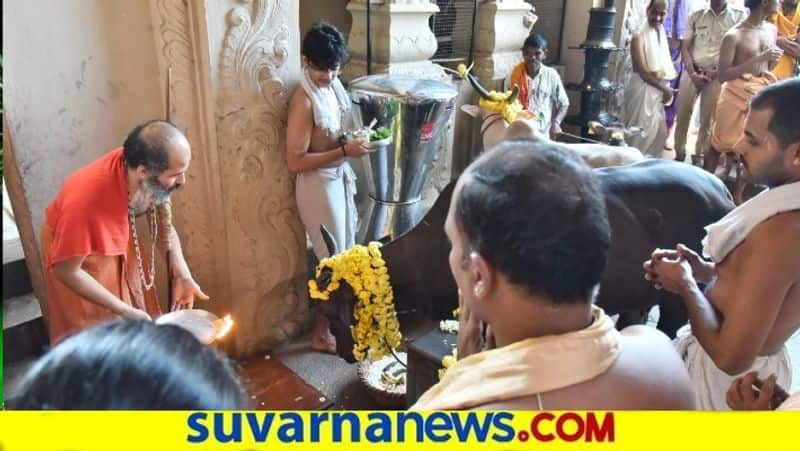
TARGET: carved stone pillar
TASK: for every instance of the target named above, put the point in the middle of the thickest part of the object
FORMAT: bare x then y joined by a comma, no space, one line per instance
502,27
402,41
234,64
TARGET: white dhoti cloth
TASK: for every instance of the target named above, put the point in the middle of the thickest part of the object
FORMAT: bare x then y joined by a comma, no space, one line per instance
325,196
643,105
711,383
643,108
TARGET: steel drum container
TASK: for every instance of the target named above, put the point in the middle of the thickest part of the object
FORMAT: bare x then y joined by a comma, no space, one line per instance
417,112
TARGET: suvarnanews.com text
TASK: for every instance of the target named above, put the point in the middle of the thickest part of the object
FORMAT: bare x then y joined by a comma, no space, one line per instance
399,427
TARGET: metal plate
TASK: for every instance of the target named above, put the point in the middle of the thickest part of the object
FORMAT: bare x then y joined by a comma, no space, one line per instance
199,323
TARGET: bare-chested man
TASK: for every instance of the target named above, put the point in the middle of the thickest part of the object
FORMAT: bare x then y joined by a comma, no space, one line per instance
751,303
749,50
532,280
315,151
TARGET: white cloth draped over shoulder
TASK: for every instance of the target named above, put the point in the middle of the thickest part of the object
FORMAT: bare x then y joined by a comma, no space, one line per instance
643,105
330,104
727,233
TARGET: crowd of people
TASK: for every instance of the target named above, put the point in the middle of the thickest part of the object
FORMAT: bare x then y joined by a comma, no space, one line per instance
721,54
530,335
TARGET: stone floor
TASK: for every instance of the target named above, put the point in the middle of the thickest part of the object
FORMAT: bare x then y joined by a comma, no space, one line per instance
335,378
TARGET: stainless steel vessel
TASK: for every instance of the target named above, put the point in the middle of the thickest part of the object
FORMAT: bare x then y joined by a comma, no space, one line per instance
417,112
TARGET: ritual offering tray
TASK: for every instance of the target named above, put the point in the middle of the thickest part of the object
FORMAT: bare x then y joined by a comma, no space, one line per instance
204,325
385,379
379,138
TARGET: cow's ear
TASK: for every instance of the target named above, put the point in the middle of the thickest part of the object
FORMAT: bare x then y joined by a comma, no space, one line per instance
472,110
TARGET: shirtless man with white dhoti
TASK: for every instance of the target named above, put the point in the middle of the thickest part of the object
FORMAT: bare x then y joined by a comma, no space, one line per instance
751,302
319,111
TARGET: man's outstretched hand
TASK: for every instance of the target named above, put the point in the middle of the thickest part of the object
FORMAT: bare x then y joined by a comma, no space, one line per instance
184,292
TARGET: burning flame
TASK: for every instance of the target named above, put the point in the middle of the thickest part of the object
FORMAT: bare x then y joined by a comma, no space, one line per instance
223,326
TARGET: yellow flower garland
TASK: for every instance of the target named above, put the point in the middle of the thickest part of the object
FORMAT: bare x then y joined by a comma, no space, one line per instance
377,330
447,362
499,100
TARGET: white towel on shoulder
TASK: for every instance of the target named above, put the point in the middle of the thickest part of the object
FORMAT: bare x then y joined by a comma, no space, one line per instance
725,234
329,104
656,51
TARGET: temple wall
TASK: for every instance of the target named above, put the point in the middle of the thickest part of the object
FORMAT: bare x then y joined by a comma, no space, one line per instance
81,74
332,11
78,76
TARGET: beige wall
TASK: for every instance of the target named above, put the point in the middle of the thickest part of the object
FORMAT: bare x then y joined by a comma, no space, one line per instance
332,11
79,75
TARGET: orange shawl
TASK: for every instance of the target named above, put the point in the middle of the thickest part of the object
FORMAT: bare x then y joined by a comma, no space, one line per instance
519,77
527,367
787,26
90,214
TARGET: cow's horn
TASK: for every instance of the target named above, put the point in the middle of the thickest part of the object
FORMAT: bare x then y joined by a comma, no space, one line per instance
330,243
514,94
481,90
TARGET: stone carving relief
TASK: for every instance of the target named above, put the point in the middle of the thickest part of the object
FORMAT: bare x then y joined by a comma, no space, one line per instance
502,27
193,220
266,239
237,216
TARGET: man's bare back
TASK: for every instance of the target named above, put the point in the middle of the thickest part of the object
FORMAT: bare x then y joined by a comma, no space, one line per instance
758,284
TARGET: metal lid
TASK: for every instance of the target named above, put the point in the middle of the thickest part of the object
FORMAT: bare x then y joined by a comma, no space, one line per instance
200,323
406,88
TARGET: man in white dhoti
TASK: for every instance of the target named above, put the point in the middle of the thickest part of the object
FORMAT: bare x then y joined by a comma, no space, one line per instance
648,90
319,110
751,303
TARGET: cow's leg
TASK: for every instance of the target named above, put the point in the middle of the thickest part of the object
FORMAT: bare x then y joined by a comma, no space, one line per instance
673,315
631,318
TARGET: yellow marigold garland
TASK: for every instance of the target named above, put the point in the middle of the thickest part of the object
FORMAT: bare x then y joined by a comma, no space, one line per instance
447,362
499,100
377,330
450,360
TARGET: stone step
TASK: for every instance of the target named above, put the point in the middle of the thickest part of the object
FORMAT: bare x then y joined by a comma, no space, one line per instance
16,279
24,332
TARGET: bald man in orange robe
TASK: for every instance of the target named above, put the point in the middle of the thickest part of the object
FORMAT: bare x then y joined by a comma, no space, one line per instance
93,272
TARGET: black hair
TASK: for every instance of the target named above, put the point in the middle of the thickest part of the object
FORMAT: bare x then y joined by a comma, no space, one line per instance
783,99
753,4
324,46
131,365
537,214
143,148
650,5
535,40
